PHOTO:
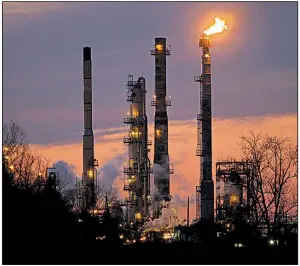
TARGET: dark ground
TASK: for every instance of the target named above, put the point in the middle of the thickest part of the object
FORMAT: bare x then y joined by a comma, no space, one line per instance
138,254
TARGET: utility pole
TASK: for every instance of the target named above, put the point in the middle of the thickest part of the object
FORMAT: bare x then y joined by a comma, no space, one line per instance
187,219
188,212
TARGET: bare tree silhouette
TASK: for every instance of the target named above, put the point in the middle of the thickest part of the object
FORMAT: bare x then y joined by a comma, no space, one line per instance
28,168
274,160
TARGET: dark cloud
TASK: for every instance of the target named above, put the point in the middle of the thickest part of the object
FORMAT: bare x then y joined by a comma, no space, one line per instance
254,66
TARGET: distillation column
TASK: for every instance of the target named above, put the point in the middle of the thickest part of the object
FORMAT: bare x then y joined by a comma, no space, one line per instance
88,137
161,154
145,164
205,209
137,181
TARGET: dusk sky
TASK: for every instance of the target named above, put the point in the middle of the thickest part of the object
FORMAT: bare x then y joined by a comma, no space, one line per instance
254,73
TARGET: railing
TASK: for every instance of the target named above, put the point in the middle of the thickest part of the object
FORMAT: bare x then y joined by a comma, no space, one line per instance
129,120
171,170
129,98
161,52
129,140
126,187
155,103
129,170
198,78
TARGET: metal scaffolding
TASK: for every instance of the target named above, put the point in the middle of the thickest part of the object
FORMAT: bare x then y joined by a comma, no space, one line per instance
137,171
234,201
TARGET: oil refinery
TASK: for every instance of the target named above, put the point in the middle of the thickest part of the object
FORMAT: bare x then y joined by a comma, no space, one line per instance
141,204
147,210
110,168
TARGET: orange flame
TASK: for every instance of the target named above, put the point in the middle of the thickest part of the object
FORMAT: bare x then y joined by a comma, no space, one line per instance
219,26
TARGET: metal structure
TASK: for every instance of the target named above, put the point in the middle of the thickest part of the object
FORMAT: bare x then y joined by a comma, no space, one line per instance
205,190
137,171
52,178
161,154
89,163
234,181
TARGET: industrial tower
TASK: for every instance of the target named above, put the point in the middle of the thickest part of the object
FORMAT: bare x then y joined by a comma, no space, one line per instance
89,163
234,186
137,172
161,155
205,204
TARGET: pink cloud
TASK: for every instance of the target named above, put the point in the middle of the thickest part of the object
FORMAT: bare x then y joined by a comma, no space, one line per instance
182,149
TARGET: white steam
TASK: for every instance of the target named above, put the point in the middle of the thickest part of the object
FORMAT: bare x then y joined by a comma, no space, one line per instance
168,219
160,171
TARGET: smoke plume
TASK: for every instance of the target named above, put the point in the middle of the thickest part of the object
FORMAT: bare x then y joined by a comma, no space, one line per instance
110,171
168,219
67,174
162,170
180,202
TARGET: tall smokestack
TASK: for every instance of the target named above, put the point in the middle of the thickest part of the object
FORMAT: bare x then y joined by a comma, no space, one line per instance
205,204
88,136
161,154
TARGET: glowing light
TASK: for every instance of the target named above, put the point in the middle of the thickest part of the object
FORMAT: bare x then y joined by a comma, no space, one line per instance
5,148
39,174
6,157
134,112
238,245
90,173
131,163
11,167
234,199
138,216
167,236
219,26
121,236
130,180
100,237
135,133
159,47
157,132
273,242
143,238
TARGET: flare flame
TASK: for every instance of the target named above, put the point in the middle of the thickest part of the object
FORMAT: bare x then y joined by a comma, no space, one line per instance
219,26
